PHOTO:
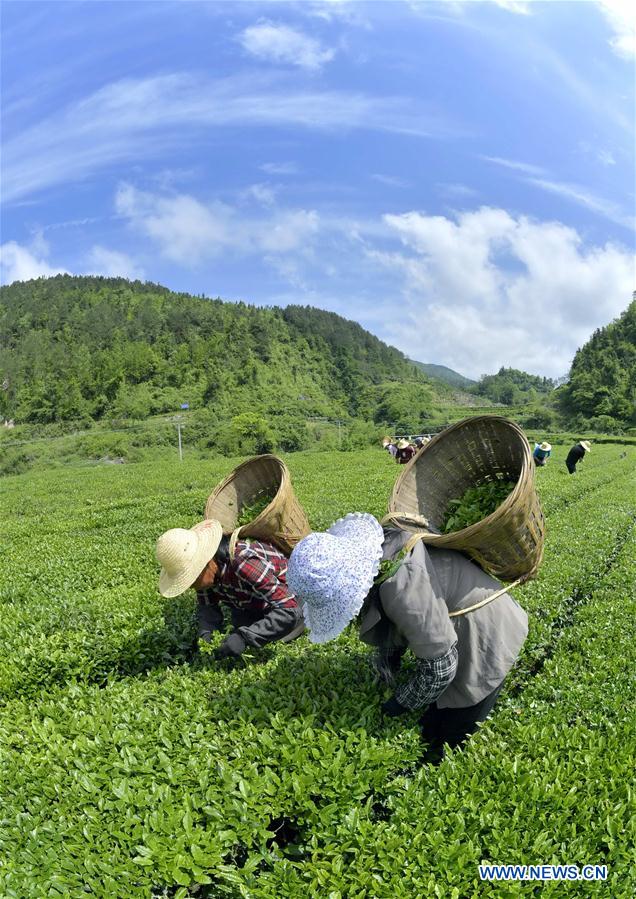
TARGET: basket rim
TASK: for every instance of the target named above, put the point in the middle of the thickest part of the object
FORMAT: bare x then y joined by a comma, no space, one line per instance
284,479
499,512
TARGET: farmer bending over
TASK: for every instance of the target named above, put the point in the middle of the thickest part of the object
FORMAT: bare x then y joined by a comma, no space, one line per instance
405,452
251,581
542,452
576,455
460,662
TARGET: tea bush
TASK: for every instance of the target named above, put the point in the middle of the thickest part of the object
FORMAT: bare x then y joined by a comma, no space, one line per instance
135,766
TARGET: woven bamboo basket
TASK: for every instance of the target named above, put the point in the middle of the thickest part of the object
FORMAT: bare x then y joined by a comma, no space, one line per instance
283,522
509,542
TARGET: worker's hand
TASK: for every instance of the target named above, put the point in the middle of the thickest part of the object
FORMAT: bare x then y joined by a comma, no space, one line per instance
392,708
231,648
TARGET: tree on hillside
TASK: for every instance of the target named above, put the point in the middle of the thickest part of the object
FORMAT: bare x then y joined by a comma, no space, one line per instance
513,387
603,374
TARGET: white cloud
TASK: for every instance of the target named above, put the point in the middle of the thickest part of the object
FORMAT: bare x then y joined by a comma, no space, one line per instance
490,289
622,18
135,119
264,194
20,263
278,43
113,264
287,231
189,232
186,230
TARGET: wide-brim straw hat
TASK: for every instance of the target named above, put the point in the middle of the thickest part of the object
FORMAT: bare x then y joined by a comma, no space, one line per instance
386,441
183,554
587,446
402,444
331,573
545,445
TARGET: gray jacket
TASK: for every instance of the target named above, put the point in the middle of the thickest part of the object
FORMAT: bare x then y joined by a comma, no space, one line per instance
411,609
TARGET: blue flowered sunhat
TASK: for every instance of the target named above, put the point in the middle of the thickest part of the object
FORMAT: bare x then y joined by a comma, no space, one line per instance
332,572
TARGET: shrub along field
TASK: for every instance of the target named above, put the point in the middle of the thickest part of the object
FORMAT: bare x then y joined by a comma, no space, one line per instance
135,766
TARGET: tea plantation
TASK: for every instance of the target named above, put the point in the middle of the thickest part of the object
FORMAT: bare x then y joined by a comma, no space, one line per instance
134,767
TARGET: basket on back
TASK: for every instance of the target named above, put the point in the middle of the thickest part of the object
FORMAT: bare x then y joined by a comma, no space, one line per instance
283,521
509,542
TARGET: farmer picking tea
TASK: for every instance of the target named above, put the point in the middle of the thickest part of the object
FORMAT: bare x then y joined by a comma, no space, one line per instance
389,446
250,581
406,600
576,455
541,453
405,451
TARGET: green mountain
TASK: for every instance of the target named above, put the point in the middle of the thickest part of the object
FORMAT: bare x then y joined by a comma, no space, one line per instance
602,382
87,348
442,373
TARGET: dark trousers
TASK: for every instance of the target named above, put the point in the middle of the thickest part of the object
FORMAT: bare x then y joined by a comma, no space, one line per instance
571,466
453,726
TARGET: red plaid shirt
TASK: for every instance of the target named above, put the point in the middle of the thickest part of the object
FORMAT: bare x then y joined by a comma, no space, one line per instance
254,579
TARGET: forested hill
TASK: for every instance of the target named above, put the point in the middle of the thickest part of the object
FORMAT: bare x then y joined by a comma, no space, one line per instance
90,347
445,374
602,383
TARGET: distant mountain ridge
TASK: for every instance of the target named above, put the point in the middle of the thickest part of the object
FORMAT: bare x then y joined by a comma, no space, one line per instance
443,373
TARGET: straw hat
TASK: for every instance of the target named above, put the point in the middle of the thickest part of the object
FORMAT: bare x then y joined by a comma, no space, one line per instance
545,445
183,554
386,441
586,445
331,573
403,443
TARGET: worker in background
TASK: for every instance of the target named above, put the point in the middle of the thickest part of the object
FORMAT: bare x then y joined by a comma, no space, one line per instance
390,446
542,452
405,452
576,455
251,580
404,599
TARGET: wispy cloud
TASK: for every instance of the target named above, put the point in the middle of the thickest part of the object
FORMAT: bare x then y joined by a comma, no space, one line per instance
139,119
70,223
541,178
390,180
348,12
583,197
457,190
515,165
606,157
280,168
279,43
520,7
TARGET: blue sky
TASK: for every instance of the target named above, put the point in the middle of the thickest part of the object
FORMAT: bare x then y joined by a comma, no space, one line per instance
456,176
